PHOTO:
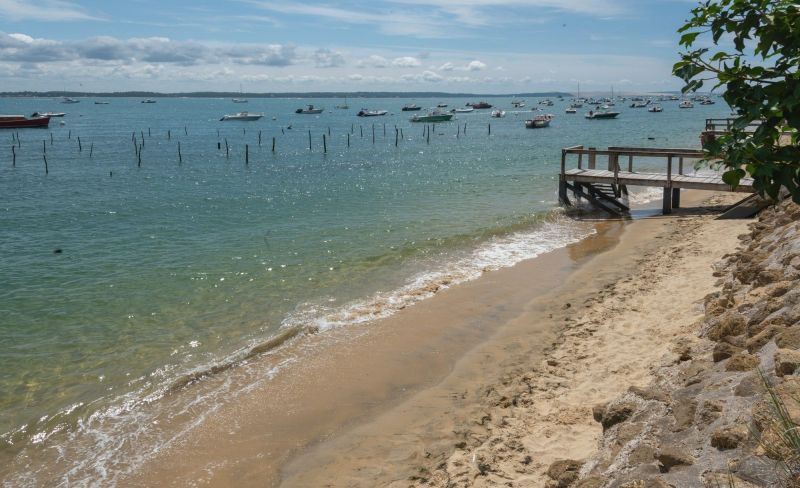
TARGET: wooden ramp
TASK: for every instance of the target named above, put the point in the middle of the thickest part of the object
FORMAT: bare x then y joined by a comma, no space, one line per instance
605,188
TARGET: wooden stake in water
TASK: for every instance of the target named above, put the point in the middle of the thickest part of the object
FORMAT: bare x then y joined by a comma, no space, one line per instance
227,150
396,136
273,144
80,147
259,138
246,154
309,140
324,144
142,133
148,132
140,156
44,147
329,131
46,170
373,133
185,130
348,140
69,135
361,128
51,138
91,149
465,128
429,135
180,156
401,135
490,129
384,131
169,135
13,156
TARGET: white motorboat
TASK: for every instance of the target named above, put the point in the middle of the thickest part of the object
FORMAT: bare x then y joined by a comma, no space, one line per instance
149,100
70,100
571,110
48,114
517,103
239,100
441,105
463,110
686,104
539,122
242,116
601,114
309,110
371,113
655,108
498,114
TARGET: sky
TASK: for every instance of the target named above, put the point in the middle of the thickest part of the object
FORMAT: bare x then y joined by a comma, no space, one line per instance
478,46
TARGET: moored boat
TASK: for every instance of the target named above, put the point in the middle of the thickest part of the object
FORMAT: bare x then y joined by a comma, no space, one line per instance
371,113
242,116
411,107
463,110
309,110
441,105
539,122
239,100
149,100
480,105
47,114
22,122
571,110
517,103
655,108
101,103
686,104
70,100
498,114
432,116
601,114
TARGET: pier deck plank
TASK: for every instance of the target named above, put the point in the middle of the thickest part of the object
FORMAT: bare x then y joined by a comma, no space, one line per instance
694,182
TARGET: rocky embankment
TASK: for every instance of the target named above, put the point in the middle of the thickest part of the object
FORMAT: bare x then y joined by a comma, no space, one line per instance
709,419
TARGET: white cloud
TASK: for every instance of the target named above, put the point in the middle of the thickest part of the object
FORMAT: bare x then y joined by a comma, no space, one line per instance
406,62
373,61
425,76
447,67
325,58
476,65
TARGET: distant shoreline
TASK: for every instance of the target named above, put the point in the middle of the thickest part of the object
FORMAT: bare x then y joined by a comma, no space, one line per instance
128,94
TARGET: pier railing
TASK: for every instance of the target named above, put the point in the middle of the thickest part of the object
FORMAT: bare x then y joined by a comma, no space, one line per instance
614,154
723,126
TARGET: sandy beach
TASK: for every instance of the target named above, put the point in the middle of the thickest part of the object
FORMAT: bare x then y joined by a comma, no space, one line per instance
485,384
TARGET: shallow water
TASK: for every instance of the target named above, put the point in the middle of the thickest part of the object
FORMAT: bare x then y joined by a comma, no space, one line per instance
173,267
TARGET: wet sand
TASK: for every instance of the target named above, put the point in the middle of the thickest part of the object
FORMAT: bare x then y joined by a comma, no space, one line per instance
384,403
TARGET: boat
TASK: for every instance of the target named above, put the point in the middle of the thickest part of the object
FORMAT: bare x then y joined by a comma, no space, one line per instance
343,106
571,110
463,110
242,116
640,104
47,114
22,122
686,104
539,122
70,100
480,105
239,100
411,108
441,105
102,103
498,114
149,100
309,110
601,114
707,101
655,108
371,113
547,103
435,115
517,103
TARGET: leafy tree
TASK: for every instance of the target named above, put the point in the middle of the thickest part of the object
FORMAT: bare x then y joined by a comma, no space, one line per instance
751,49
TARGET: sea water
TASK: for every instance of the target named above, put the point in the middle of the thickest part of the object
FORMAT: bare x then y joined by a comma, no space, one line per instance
134,263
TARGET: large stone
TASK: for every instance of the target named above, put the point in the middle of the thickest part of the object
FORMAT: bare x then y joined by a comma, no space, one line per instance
710,411
755,343
642,454
670,457
729,437
591,482
650,393
724,350
614,413
741,361
728,324
787,361
564,472
683,410
789,338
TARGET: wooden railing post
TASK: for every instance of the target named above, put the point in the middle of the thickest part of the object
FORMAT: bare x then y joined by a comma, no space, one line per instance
563,162
592,158
630,163
680,166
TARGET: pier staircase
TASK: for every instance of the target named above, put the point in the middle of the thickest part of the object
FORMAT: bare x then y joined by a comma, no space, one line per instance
607,189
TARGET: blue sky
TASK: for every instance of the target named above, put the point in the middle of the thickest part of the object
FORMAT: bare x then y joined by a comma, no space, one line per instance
497,46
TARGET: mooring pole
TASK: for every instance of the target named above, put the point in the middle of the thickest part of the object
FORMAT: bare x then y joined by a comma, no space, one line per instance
180,157
324,144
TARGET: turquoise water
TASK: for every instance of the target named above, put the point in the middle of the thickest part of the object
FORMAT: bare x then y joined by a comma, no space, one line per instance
172,267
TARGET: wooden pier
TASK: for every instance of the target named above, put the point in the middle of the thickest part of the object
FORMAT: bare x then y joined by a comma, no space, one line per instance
607,188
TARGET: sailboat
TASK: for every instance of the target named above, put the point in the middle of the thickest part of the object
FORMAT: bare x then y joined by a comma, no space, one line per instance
240,100
343,106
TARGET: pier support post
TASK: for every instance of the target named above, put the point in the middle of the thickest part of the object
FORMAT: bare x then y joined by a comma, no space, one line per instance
666,206
676,198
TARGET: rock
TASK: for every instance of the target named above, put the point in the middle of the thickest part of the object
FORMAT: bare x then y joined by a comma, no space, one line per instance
728,324
729,437
614,413
710,411
741,361
726,479
683,410
750,385
789,338
787,361
650,393
669,457
598,411
564,472
642,454
723,350
591,482
758,341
